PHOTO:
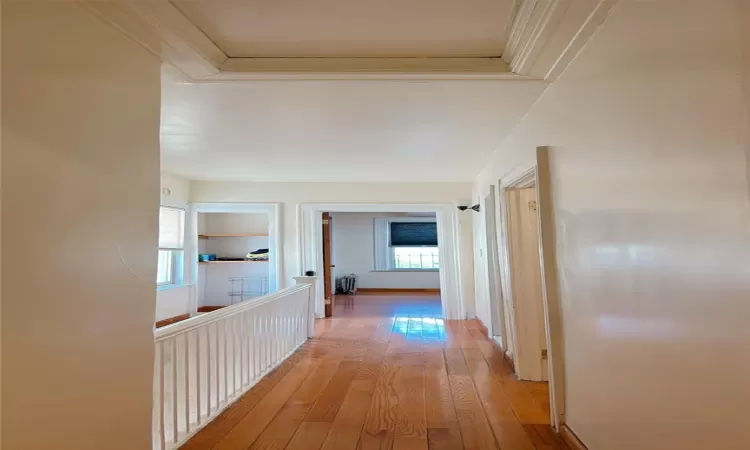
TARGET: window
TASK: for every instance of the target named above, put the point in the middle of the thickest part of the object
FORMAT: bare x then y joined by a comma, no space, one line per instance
415,258
406,244
171,246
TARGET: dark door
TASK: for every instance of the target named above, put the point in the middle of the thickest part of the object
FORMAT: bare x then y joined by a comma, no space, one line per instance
328,285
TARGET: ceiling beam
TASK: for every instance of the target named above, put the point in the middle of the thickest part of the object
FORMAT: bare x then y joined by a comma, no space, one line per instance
544,37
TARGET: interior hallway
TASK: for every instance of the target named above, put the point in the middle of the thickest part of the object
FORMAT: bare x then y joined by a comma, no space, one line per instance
386,372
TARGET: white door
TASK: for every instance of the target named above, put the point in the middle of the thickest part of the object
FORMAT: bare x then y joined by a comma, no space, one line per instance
526,285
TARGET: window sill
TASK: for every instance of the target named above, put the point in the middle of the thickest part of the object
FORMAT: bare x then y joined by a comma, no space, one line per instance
407,270
166,287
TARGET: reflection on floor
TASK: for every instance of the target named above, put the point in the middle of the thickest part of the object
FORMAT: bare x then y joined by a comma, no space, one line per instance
388,372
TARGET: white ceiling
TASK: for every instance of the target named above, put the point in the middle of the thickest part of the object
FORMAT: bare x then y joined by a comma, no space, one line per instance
338,130
353,28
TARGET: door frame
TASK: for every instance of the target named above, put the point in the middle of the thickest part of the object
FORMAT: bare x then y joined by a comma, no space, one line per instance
310,241
492,264
273,210
327,248
537,173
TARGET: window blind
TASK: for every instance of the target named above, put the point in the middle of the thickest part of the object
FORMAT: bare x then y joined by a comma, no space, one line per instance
413,234
171,228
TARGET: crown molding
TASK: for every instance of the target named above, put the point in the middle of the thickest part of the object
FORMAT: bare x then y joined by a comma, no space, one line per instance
363,68
546,35
159,27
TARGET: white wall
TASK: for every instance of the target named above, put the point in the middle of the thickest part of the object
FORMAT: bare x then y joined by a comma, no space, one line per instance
292,194
353,251
80,138
228,223
174,301
649,148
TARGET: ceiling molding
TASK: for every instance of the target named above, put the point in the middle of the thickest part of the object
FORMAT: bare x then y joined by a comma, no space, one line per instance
546,35
159,27
543,39
363,68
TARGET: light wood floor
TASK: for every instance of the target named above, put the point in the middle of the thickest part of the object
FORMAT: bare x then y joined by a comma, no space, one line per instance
387,373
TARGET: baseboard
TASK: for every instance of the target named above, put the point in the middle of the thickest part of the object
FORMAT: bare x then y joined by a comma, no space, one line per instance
570,438
509,360
392,291
209,308
506,356
171,320
483,328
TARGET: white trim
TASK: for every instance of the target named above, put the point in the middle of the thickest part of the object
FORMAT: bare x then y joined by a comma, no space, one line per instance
273,210
310,241
162,29
537,174
546,35
585,32
543,38
381,236
491,261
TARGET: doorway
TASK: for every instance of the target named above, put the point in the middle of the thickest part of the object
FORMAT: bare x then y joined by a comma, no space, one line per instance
328,283
450,283
526,283
394,256
233,253
530,280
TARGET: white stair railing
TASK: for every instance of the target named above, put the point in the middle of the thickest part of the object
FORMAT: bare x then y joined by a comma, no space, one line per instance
203,364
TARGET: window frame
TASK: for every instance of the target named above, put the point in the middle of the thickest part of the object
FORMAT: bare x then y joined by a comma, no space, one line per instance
176,255
385,255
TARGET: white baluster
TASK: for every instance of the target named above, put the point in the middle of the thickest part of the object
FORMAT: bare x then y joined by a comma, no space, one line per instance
217,377
226,359
266,339
255,340
208,372
235,353
243,355
175,417
275,341
162,430
198,388
187,383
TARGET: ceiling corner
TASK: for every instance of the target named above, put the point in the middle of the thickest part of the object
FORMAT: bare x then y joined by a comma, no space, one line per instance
546,35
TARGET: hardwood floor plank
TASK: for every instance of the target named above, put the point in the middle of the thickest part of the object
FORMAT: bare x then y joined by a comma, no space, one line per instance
410,404
455,362
380,421
251,426
309,436
382,440
523,404
480,373
410,443
509,433
329,402
387,373
545,438
475,430
347,427
214,431
439,409
281,429
443,431
444,438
